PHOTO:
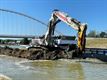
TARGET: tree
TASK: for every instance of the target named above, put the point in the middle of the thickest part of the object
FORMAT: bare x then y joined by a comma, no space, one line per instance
25,41
0,40
102,34
92,33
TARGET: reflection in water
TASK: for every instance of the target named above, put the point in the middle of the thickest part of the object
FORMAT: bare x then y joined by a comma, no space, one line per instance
57,70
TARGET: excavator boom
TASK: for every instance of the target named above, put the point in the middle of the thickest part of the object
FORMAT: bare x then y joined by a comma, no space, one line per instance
58,16
68,20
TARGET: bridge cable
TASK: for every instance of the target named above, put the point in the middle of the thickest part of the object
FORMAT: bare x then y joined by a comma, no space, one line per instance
22,14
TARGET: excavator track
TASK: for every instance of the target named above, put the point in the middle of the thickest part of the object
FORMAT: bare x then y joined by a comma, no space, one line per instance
51,53
98,53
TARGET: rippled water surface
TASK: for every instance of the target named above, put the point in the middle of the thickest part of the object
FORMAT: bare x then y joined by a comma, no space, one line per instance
22,69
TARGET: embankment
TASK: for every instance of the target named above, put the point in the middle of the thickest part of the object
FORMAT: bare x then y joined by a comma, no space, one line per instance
96,43
34,54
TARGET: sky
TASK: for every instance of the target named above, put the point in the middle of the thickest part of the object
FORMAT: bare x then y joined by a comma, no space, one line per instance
92,12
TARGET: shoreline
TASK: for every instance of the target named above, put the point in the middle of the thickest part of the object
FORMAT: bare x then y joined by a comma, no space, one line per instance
87,60
37,54
33,54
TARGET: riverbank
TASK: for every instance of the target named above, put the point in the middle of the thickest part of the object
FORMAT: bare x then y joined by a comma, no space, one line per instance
40,54
34,54
96,43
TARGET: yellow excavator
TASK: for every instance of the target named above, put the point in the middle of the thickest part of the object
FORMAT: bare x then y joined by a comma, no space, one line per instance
58,16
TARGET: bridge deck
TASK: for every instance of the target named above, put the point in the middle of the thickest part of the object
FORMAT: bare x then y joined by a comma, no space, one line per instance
17,36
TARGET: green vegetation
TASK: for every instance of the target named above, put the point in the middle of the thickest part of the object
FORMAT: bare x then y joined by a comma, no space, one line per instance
95,34
25,41
7,41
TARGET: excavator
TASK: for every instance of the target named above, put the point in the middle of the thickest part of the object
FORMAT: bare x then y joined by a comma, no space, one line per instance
57,16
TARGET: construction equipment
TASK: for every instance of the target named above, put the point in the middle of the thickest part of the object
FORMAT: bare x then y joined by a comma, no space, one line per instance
49,40
58,16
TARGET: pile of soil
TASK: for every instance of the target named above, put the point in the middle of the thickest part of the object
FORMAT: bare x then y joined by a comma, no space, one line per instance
35,54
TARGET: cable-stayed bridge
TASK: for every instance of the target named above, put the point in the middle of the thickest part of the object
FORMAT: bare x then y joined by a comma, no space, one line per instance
17,36
17,22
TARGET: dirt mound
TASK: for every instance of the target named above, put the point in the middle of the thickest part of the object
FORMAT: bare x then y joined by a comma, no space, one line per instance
35,54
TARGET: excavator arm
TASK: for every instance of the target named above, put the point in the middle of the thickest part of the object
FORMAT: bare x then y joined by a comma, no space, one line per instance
58,16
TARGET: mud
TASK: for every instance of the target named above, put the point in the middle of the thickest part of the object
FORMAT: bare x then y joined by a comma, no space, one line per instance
35,54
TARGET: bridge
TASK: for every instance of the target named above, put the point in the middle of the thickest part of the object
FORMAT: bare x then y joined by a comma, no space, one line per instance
11,18
18,36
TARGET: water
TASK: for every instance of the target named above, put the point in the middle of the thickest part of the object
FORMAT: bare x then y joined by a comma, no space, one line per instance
23,69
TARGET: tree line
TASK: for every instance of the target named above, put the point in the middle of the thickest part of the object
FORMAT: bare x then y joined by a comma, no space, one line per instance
24,41
95,34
